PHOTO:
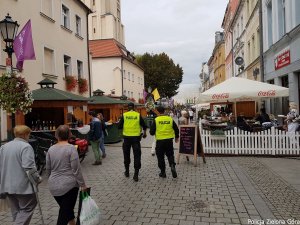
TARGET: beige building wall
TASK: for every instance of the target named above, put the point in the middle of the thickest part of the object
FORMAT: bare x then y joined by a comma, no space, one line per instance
51,40
105,21
107,76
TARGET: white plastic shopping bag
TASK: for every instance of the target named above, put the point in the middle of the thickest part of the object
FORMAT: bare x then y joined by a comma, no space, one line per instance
90,212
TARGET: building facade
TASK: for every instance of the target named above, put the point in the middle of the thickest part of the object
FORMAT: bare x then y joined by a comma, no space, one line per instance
105,21
238,33
281,31
252,41
228,16
219,58
114,70
57,26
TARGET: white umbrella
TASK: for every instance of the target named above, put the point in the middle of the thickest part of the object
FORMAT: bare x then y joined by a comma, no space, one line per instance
241,89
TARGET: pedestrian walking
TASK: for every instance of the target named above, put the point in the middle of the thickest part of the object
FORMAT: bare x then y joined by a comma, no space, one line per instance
16,158
95,135
65,177
104,127
183,120
165,130
132,123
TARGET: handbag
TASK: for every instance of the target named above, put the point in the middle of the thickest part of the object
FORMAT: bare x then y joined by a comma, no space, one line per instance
90,212
4,203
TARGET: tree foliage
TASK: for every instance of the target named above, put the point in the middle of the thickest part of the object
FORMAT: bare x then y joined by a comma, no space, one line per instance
161,73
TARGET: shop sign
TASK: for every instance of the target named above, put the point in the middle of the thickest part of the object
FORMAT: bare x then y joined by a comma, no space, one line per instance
283,58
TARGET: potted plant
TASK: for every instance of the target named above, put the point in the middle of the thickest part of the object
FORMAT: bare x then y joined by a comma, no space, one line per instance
82,85
15,95
71,82
217,135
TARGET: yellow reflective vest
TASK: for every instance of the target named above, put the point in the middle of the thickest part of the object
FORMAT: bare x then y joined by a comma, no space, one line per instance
164,128
131,127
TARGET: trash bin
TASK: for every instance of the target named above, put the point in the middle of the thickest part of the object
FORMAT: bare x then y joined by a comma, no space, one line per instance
114,134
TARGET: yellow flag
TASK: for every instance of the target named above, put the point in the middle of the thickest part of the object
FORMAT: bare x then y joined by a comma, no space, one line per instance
155,94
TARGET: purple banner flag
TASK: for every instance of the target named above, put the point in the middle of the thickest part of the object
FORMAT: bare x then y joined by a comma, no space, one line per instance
23,46
145,93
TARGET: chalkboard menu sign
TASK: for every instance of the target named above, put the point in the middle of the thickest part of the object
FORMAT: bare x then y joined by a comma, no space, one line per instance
190,143
188,139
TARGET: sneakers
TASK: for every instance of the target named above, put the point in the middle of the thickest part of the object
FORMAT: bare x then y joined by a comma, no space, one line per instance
163,174
97,163
136,176
173,170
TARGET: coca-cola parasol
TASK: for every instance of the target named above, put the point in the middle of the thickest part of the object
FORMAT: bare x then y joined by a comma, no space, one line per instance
241,89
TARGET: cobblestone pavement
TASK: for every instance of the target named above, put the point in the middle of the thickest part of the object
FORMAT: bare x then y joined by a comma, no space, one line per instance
225,190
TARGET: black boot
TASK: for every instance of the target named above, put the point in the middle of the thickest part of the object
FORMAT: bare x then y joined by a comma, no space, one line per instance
126,173
173,170
136,175
163,174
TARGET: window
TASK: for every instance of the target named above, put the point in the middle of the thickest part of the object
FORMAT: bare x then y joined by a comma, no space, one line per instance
78,25
132,77
270,24
124,74
67,65
65,17
124,92
128,75
297,9
93,2
47,7
79,68
254,47
128,94
242,24
94,24
249,52
281,18
141,81
49,66
138,80
131,94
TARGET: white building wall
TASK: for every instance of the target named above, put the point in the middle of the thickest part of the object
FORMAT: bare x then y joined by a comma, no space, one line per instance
107,76
105,21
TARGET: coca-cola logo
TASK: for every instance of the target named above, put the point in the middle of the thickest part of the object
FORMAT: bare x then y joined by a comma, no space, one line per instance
267,93
220,96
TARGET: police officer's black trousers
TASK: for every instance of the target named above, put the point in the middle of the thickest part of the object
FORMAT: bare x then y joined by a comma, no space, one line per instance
133,142
165,147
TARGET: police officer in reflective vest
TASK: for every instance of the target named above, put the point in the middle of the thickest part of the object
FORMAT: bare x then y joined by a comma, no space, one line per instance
131,123
165,130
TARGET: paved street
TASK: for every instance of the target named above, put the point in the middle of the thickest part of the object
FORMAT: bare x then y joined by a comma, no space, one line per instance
225,190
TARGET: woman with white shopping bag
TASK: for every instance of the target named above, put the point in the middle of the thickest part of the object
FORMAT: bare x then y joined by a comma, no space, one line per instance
65,177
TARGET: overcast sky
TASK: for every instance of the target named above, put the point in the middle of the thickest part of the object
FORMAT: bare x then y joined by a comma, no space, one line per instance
183,29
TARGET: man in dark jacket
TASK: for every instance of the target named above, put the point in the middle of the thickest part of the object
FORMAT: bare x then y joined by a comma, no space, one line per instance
95,135
165,130
131,123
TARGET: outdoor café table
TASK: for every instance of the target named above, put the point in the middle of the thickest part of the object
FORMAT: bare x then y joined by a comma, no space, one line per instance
217,126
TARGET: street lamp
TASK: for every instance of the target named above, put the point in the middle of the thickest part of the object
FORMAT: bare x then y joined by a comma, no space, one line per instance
8,30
